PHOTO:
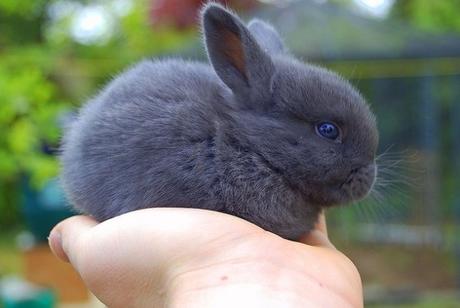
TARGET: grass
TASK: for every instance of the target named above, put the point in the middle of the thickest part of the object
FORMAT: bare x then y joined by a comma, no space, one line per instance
428,301
10,256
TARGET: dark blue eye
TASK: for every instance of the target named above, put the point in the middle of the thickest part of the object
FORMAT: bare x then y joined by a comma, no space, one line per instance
327,130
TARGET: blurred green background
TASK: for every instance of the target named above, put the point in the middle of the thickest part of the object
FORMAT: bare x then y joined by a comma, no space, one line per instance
403,55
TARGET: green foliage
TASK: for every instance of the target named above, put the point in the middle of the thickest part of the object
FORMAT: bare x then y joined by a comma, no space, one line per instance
19,20
44,72
27,117
430,15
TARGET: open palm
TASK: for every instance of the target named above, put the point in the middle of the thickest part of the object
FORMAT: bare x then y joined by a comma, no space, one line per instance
176,257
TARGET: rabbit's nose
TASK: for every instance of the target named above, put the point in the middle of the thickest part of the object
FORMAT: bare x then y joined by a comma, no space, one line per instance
360,181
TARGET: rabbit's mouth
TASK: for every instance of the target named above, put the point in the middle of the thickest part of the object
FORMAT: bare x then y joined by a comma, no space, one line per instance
355,187
359,182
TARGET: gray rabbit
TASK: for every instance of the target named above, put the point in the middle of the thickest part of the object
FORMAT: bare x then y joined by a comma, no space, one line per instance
258,134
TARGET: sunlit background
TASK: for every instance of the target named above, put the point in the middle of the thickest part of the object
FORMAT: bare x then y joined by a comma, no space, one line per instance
404,56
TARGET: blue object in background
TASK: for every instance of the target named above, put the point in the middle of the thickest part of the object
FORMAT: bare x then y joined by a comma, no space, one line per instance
44,208
43,299
18,293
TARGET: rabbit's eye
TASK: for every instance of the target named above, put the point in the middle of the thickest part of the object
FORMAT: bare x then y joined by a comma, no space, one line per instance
327,130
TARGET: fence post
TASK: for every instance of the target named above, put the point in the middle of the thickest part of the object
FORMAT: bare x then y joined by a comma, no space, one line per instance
430,142
455,120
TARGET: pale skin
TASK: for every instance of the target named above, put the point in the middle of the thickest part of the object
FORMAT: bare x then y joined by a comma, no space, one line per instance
172,257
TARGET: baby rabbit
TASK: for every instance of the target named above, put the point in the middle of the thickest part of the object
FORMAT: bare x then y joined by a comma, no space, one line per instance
258,134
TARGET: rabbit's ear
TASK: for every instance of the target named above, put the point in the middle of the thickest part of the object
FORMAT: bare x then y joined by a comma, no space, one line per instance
235,55
267,37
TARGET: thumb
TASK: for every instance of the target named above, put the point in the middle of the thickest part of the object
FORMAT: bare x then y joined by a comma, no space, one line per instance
318,236
64,238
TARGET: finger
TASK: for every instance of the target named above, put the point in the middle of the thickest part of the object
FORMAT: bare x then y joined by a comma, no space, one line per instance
318,236
321,223
63,239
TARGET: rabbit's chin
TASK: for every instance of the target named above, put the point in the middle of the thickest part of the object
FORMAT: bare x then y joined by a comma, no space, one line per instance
355,187
336,196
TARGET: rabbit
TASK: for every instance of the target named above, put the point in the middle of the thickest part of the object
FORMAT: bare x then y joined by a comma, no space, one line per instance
257,134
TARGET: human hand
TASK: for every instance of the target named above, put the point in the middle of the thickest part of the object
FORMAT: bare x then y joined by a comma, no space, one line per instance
178,257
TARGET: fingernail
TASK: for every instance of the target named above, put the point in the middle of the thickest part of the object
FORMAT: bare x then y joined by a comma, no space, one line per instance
55,243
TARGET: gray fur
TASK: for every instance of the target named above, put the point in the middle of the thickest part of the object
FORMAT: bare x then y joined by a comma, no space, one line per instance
267,37
238,137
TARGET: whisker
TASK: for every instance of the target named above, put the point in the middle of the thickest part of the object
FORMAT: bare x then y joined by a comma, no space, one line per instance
398,175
